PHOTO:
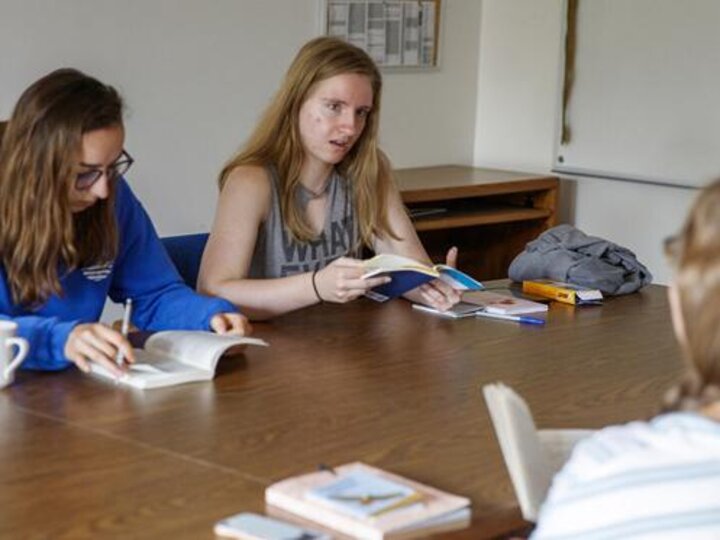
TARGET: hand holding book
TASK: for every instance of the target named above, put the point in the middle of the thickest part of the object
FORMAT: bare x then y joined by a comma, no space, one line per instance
408,274
344,280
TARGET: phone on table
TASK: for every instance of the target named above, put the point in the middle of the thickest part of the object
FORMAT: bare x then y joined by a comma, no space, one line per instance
249,526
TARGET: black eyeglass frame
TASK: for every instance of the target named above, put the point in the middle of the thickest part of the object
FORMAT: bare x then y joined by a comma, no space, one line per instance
86,180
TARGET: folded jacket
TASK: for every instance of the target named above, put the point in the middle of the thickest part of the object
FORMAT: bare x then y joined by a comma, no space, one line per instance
565,253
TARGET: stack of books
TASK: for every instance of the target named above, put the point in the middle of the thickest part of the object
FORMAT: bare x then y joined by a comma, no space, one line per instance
369,503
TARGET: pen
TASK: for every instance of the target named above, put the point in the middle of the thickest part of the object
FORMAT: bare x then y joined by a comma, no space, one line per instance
124,329
515,318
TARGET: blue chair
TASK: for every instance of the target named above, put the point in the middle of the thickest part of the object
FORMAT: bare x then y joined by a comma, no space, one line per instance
186,252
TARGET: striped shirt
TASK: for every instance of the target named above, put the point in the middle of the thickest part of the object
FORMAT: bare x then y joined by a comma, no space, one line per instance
657,479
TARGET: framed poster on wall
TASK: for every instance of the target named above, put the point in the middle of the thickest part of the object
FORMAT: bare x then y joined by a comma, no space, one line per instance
395,33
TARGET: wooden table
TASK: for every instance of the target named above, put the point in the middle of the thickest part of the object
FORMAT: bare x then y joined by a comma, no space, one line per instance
489,214
384,384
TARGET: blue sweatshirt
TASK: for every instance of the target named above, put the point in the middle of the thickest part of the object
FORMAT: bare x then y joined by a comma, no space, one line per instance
142,271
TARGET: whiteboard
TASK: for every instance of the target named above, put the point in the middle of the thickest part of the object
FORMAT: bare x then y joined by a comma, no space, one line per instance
645,103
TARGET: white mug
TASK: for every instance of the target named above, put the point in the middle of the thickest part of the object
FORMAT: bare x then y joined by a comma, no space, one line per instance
9,362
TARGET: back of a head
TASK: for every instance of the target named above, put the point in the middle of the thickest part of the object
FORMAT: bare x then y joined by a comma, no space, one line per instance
696,255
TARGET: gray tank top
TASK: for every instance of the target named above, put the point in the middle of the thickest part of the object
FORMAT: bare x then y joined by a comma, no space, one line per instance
278,254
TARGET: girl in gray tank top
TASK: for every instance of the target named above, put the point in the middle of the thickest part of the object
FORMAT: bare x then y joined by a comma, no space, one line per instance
311,188
278,254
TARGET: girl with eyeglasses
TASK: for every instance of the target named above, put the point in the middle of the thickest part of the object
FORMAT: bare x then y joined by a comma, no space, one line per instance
659,479
308,191
72,232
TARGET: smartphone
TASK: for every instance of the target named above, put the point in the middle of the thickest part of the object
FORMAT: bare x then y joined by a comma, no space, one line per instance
249,526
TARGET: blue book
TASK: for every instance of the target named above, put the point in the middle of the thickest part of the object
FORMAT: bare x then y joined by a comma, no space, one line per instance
407,274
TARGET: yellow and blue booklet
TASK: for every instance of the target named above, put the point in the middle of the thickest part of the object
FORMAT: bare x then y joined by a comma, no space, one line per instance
407,274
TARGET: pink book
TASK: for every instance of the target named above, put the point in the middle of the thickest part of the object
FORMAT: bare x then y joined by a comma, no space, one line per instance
369,503
503,304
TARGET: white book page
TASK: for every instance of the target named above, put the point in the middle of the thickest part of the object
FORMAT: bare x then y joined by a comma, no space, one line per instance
558,444
194,348
152,371
148,363
388,261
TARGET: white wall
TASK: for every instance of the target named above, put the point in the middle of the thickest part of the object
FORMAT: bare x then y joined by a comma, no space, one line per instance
196,75
518,85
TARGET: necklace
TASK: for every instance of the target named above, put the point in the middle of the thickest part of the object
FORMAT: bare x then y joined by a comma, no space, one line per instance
308,194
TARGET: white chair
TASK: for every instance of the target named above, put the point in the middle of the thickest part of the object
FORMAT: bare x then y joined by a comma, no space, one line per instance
531,456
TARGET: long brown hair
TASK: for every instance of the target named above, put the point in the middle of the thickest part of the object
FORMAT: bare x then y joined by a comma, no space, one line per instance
696,253
276,140
40,238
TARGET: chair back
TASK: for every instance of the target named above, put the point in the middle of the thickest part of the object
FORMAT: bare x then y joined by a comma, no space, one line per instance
522,449
186,253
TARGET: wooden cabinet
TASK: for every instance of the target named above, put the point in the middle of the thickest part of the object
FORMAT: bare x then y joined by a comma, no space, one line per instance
488,214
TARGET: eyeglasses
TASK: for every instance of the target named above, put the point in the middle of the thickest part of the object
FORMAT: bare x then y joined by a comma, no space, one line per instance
86,180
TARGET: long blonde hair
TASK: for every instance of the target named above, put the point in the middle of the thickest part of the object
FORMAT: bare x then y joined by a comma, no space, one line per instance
276,140
40,237
696,253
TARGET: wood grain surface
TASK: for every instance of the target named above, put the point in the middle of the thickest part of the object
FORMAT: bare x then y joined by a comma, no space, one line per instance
384,384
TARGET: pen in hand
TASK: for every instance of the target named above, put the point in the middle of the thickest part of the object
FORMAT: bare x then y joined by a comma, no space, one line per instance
124,329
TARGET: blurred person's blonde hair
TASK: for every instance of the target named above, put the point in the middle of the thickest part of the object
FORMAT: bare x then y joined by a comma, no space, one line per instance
695,252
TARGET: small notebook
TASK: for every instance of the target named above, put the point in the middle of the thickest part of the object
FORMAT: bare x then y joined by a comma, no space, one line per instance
503,304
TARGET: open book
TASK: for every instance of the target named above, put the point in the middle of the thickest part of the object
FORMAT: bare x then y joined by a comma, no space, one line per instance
175,357
406,274
531,456
369,503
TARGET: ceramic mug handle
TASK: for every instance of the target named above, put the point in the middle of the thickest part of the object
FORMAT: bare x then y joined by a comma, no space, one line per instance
22,350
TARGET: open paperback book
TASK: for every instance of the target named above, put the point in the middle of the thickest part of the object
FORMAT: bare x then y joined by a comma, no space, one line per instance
369,503
406,274
176,357
532,456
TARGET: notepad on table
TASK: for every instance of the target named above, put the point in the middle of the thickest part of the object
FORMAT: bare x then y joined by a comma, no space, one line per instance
503,304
